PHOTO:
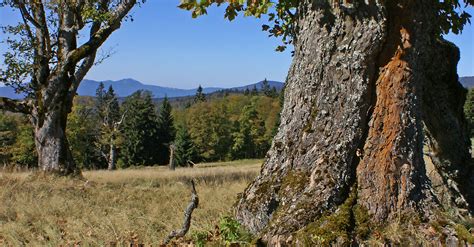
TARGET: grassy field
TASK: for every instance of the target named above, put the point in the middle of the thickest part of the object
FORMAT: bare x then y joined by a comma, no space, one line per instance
141,205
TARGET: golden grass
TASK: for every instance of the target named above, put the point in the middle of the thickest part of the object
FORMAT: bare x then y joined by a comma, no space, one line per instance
140,205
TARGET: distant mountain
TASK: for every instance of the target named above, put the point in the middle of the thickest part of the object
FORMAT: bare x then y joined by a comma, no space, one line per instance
278,85
126,87
467,81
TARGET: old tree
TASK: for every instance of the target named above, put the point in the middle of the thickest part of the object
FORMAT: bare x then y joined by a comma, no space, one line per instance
47,61
372,130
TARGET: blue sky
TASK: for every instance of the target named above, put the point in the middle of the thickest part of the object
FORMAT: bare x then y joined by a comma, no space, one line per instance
165,46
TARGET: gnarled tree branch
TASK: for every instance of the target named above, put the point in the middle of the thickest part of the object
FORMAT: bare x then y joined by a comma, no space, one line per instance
187,216
16,106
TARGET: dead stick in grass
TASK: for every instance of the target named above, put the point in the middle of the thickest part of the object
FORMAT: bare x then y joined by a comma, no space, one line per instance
187,216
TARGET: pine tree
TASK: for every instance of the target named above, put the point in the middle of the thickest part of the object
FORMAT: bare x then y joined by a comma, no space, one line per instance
166,131
266,88
140,130
200,96
185,149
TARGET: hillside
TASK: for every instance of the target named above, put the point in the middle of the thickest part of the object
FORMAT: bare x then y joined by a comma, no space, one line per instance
467,81
126,87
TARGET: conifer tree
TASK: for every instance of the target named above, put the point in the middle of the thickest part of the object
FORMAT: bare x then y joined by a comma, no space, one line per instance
140,130
200,96
185,149
166,131
266,90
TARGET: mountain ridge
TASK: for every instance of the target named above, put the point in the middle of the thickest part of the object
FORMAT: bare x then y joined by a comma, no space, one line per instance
127,86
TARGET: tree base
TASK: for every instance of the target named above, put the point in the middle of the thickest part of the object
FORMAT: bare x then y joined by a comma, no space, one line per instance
351,225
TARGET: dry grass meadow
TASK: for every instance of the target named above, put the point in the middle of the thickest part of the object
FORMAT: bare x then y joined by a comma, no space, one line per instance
106,208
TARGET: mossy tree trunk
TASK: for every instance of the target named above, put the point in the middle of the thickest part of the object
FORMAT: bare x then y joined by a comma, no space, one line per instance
359,92
54,154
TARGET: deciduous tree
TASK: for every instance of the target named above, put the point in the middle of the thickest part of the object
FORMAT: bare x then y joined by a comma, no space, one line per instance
47,61
111,120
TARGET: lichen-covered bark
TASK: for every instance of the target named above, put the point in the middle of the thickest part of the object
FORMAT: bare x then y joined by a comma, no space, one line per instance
311,164
50,120
49,110
360,87
447,132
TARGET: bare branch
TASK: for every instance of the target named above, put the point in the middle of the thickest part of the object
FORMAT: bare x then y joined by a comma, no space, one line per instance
26,15
117,124
43,43
81,72
90,59
18,106
28,28
99,37
187,216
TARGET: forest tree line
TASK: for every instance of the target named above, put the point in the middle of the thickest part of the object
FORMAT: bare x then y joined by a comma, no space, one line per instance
108,132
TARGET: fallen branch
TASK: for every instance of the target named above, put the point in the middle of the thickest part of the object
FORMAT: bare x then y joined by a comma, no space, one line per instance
191,163
187,216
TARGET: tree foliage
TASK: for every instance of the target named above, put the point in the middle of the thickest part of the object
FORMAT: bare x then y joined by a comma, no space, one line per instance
84,133
17,145
233,127
37,44
140,130
166,132
282,15
469,110
49,52
249,137
185,149
200,95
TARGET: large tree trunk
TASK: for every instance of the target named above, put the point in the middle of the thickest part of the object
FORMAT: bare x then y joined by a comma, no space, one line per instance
351,128
49,118
54,154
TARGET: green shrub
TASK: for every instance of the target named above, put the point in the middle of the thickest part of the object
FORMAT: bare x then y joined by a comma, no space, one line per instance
232,231
199,238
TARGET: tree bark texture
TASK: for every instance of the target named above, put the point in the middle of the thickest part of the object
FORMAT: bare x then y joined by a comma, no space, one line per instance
50,121
366,77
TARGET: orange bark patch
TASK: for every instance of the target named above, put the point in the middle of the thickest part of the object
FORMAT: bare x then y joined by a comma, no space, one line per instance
383,172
